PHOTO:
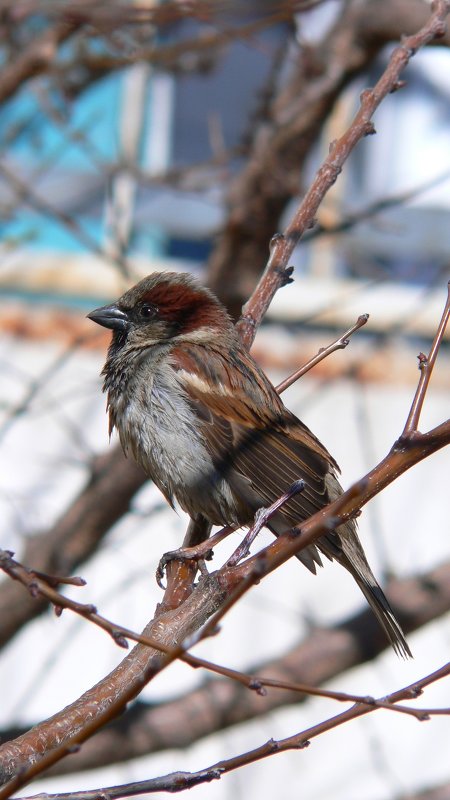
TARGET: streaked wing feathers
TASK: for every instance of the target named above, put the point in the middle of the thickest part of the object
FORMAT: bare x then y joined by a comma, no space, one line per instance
251,434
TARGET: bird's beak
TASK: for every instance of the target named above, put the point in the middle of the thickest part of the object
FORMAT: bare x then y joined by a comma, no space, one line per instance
110,317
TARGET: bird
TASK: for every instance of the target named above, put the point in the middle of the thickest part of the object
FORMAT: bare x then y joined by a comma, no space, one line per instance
202,419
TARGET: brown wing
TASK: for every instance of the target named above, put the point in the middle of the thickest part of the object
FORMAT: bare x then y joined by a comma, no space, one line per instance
259,446
262,449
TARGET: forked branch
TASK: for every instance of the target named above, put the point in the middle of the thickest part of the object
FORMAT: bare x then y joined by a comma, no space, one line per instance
176,629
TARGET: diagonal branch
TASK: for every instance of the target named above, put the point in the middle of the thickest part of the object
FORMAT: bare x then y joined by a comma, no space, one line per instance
57,736
110,487
272,177
220,704
176,782
426,368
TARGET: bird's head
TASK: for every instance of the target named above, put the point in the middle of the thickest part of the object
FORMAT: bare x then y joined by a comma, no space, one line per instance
162,306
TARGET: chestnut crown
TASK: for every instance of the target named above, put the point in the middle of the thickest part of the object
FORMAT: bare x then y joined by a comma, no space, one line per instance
161,306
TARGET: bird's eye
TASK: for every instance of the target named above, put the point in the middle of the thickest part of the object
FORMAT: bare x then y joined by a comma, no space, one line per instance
147,311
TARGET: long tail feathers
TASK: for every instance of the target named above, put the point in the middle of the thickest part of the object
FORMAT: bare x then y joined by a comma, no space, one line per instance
352,557
384,614
343,545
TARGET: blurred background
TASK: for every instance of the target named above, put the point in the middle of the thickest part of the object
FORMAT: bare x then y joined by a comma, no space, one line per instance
142,136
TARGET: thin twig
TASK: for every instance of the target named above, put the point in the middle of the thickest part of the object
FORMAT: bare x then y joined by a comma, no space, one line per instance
361,126
426,368
391,201
212,592
274,277
398,460
25,192
262,517
36,385
180,781
339,344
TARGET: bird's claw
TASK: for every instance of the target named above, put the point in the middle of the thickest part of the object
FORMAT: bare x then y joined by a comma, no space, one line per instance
182,554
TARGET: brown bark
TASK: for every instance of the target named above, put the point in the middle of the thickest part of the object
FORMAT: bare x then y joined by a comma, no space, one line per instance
111,485
272,176
220,704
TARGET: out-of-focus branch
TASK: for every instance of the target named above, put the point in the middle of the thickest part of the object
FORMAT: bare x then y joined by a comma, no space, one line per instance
361,126
26,192
37,57
179,781
349,221
219,704
111,485
441,792
57,736
219,24
258,195
54,738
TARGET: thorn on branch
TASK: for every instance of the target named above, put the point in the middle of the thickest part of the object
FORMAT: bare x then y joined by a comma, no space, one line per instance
423,360
276,239
287,273
369,700
303,745
369,129
336,171
365,96
249,321
410,50
440,30
257,686
119,639
397,85
58,580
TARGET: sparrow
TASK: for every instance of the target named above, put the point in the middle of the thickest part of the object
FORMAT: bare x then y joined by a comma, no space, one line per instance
207,426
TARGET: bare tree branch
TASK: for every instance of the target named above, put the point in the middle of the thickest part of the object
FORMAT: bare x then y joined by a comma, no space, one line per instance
188,608
111,485
219,704
180,781
37,58
260,192
174,628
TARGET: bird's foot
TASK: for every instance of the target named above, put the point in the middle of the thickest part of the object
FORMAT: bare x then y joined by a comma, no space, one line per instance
202,551
199,553
262,517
